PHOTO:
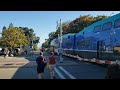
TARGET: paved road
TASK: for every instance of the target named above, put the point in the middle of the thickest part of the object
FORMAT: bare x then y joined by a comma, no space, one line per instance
65,70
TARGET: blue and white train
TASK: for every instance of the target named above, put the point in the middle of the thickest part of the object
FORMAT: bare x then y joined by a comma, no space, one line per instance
99,40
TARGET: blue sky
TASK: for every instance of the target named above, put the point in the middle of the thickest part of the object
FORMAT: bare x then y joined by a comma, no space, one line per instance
43,22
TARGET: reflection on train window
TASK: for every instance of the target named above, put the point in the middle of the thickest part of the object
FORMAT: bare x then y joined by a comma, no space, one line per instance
117,23
82,43
87,42
107,26
68,44
97,29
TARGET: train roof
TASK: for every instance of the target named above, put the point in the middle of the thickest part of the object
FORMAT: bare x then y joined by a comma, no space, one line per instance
69,34
53,42
91,27
66,35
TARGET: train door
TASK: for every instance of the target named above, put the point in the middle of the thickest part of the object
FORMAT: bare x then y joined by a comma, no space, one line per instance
74,45
100,49
98,43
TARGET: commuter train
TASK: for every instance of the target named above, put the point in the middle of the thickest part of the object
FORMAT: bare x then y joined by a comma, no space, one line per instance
99,40
54,46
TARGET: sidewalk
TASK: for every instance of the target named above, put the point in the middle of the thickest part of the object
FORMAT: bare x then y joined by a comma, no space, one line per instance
12,61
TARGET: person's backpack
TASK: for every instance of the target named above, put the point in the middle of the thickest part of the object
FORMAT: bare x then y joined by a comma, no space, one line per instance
41,60
44,61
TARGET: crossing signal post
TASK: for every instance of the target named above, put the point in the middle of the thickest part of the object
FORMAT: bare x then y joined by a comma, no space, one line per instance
61,49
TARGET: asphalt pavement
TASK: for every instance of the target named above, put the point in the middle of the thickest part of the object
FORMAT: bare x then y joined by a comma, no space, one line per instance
25,68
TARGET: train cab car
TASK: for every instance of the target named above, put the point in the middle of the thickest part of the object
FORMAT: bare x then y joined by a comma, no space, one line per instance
54,45
68,43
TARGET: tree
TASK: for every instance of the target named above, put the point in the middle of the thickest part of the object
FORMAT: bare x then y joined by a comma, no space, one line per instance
51,35
35,47
36,40
4,28
65,26
100,17
10,25
80,23
13,37
31,37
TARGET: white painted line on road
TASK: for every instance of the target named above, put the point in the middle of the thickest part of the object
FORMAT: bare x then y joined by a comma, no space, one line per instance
66,72
60,75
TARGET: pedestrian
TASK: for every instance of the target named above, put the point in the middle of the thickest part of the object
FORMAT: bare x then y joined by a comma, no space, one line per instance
52,65
41,63
113,71
26,52
6,51
41,51
10,51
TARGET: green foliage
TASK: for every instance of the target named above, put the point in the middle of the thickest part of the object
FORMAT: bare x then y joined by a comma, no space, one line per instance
13,37
4,28
17,36
29,33
35,47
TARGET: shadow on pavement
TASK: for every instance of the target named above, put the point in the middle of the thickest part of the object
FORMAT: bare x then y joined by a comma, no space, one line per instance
26,71
29,70
25,67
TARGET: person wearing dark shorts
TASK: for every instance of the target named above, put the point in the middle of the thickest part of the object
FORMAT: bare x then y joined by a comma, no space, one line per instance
41,62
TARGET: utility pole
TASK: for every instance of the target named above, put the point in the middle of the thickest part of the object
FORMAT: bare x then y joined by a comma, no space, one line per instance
61,50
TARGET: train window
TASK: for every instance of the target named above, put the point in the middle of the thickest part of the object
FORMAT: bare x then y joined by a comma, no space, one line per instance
107,26
117,23
97,28
68,44
87,42
82,43
78,43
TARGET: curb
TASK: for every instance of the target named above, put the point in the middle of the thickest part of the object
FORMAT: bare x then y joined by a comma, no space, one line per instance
106,62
